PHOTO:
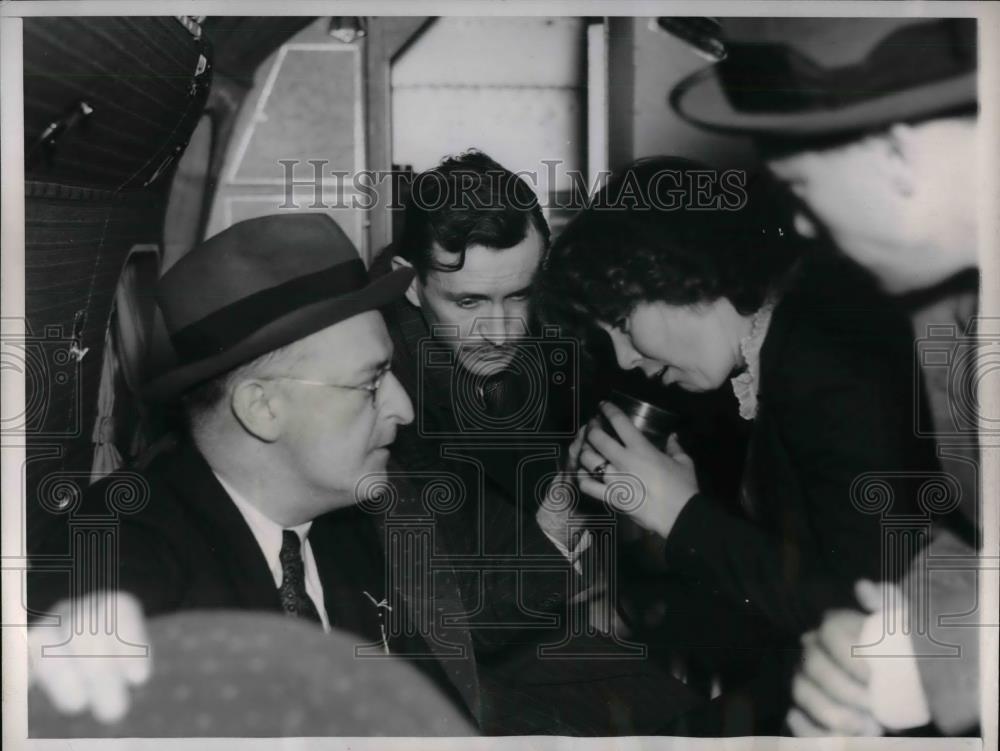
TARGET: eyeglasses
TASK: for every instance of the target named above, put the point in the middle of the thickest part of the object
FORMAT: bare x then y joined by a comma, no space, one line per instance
372,388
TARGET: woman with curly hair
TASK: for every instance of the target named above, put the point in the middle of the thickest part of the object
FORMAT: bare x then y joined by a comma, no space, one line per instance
698,295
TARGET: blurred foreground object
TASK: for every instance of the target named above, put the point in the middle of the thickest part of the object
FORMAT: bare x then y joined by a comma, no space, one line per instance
870,122
229,674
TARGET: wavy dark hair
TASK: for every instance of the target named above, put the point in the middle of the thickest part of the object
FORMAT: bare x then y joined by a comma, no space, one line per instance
466,200
630,245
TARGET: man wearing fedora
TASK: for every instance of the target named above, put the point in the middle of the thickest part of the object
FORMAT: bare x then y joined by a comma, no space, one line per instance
270,501
872,124
256,507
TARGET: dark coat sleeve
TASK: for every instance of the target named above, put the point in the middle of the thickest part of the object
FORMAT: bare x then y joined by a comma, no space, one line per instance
504,599
497,516
181,544
835,413
100,548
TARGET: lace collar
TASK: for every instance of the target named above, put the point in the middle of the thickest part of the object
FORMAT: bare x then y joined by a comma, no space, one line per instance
746,384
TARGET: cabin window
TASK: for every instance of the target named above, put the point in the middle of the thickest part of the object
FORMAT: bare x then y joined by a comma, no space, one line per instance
298,141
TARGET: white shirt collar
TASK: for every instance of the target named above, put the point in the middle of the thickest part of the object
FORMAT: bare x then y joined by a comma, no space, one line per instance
266,531
747,384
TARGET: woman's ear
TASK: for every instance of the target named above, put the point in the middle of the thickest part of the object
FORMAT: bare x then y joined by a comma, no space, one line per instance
256,410
412,294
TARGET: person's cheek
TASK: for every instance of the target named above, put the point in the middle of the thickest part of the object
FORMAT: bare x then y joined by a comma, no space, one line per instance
359,451
468,322
517,313
701,376
447,325
710,368
446,313
842,208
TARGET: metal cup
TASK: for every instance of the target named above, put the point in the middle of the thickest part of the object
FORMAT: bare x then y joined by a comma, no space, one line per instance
653,422
656,424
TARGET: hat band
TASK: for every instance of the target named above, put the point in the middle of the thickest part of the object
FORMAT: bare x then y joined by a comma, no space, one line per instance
776,78
227,326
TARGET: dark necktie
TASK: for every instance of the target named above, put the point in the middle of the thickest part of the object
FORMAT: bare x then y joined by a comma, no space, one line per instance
294,598
496,393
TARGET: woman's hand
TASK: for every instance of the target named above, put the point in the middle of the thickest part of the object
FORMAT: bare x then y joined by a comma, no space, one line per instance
637,478
556,508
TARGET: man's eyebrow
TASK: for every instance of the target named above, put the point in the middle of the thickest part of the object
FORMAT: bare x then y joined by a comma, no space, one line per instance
375,366
482,296
466,296
523,292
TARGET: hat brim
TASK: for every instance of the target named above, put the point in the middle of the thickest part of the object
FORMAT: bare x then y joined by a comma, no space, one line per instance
289,328
700,100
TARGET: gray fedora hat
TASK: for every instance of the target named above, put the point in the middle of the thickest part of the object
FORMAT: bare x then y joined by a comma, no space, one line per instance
256,286
813,77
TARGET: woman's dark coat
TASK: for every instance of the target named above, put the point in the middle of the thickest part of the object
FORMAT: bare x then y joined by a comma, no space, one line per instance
833,466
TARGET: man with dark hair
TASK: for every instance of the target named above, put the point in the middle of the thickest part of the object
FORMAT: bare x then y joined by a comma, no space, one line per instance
466,201
274,501
475,235
493,412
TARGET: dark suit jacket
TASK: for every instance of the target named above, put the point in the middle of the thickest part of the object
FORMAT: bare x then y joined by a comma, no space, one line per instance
501,478
834,429
511,613
189,548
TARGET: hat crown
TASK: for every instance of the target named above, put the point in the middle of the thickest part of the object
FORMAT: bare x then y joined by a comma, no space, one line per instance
247,258
822,76
829,42
257,286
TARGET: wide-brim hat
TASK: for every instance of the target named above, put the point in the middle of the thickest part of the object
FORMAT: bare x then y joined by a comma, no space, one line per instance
816,77
259,285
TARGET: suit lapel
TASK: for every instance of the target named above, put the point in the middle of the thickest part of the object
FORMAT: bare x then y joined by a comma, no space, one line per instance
452,645
350,564
323,542
233,544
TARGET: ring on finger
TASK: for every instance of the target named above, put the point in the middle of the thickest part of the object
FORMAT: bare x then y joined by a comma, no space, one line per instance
600,469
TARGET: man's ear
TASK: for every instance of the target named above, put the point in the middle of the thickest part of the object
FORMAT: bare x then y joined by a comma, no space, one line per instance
412,293
256,410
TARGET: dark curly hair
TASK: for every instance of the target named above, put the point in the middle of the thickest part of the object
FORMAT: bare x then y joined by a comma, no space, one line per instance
466,200
636,242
